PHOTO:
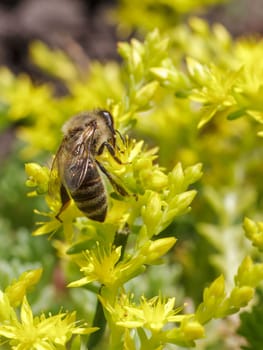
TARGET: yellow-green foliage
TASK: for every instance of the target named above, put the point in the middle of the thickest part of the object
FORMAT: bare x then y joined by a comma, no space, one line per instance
163,14
195,93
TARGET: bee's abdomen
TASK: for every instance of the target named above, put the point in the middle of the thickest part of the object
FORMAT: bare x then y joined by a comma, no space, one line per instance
91,198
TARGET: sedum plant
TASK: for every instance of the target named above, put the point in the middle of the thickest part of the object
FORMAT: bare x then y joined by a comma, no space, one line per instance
193,92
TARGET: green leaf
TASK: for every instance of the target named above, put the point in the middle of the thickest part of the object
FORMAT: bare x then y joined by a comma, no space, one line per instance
251,327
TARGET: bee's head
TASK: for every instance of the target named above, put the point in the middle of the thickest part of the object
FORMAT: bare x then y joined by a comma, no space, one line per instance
108,119
109,123
99,123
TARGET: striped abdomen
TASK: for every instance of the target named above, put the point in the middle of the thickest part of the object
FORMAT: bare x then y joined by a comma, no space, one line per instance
91,197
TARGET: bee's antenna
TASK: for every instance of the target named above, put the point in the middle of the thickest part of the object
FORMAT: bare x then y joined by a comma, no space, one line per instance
121,136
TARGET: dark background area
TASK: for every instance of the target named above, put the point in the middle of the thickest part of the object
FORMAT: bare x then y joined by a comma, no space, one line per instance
78,27
83,28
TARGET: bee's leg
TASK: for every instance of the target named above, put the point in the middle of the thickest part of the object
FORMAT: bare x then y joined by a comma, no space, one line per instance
116,186
111,149
65,199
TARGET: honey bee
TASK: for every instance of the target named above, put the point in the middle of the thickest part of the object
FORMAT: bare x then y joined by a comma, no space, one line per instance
79,172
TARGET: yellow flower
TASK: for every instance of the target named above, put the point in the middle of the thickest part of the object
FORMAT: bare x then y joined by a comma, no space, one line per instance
6,311
102,264
17,290
38,333
99,266
152,314
118,310
156,312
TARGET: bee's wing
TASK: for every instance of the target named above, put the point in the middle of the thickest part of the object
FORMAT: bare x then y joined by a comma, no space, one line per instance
72,161
54,184
75,171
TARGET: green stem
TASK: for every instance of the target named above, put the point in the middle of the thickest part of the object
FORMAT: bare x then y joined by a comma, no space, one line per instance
98,321
120,239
